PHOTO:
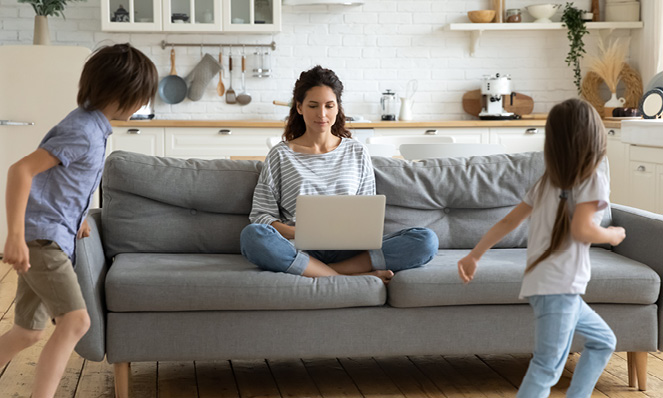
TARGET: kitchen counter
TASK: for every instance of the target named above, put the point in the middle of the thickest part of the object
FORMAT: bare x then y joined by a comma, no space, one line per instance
356,125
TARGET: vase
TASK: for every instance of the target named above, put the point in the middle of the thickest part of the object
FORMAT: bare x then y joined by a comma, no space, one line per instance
612,103
41,34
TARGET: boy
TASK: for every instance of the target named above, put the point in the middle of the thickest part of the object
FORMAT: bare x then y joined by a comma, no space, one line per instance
45,221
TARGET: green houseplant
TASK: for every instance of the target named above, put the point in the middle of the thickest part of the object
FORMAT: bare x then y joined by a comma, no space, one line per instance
576,30
44,9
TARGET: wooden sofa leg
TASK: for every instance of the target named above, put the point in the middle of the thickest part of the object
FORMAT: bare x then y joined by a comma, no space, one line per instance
630,360
637,369
122,371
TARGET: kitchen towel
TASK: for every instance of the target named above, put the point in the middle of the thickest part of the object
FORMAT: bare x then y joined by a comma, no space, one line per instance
200,76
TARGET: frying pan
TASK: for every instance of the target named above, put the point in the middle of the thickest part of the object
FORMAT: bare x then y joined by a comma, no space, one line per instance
172,88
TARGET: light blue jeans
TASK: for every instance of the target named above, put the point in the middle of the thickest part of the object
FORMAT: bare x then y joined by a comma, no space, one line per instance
265,247
558,317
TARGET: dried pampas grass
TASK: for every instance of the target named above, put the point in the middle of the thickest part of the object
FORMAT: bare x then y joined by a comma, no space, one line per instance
591,85
610,62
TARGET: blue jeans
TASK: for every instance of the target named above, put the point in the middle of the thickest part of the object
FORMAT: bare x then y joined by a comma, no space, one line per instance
558,316
265,247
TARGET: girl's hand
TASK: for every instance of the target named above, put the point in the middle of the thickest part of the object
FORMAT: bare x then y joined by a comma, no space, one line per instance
618,233
17,254
84,231
467,266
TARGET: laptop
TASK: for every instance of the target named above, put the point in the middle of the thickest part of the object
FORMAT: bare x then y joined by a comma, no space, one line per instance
339,222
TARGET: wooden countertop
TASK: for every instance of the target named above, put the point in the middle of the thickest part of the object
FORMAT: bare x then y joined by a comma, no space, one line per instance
356,125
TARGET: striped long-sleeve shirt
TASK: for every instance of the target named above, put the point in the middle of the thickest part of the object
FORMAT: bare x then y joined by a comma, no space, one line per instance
346,170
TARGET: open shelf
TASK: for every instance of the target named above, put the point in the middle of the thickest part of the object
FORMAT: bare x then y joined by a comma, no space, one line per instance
476,29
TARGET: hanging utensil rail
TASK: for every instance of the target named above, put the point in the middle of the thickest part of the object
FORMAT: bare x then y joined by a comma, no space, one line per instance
165,45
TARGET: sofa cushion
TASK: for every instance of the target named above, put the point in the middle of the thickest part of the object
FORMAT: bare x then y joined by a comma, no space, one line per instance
182,205
458,198
615,279
138,282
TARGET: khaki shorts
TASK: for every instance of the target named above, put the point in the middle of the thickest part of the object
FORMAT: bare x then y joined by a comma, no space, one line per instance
49,288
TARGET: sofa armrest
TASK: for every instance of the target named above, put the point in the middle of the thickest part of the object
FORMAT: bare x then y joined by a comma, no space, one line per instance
91,268
644,235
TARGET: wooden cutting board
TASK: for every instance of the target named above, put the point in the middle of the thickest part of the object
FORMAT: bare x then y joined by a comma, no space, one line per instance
522,104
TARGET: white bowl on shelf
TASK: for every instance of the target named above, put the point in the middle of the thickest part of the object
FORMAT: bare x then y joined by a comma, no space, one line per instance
543,12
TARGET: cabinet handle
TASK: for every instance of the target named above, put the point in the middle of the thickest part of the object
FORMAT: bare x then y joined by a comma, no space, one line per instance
225,132
15,123
133,131
430,132
532,131
641,168
611,132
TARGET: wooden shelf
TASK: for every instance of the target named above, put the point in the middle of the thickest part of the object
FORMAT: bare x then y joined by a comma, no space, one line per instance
476,29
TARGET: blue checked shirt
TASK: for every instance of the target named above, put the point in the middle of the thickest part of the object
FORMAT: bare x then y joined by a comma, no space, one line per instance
60,196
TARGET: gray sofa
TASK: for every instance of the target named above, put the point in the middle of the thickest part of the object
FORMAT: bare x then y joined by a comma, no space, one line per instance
164,279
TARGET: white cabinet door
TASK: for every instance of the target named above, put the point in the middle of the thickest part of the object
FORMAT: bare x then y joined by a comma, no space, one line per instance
252,15
617,153
518,139
642,185
470,135
221,142
145,140
131,15
192,15
659,188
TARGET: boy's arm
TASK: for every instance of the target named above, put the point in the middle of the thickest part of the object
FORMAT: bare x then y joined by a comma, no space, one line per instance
584,229
19,181
468,265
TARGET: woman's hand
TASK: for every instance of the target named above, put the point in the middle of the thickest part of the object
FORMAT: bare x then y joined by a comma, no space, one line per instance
287,231
17,254
84,231
467,266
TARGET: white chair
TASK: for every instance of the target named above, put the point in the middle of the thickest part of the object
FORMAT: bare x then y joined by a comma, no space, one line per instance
386,150
398,140
456,150
271,141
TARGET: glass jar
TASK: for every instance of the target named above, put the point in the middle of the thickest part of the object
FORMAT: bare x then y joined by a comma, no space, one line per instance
513,15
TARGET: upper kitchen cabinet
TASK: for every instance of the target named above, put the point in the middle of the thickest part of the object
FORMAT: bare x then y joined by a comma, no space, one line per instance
192,15
131,15
251,15
244,16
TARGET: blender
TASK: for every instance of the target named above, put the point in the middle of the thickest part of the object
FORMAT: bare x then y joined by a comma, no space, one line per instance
388,105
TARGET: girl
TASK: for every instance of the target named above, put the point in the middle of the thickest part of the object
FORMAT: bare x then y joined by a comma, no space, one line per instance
318,157
565,206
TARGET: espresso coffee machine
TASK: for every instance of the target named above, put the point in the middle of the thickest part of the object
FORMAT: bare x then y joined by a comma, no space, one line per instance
493,88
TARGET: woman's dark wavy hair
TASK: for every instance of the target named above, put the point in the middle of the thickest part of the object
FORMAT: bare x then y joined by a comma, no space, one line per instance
117,74
315,77
574,146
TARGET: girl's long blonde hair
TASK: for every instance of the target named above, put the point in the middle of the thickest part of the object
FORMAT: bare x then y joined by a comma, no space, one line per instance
574,146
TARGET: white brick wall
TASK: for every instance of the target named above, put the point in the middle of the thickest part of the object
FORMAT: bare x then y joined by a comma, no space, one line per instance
378,46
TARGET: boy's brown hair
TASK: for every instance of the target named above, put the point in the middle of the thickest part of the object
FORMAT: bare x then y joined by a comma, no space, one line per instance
117,74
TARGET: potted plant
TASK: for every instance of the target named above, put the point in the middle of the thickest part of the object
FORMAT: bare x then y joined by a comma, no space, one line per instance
44,9
576,30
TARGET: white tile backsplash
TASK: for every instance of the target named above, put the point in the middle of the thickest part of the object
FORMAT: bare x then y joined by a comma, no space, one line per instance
380,45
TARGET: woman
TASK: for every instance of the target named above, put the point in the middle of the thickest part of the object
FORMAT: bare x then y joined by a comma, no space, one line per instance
318,157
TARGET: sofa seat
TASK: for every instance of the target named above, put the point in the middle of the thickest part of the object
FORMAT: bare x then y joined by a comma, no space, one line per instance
615,279
149,282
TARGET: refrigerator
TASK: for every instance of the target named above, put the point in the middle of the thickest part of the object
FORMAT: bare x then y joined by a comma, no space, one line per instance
38,88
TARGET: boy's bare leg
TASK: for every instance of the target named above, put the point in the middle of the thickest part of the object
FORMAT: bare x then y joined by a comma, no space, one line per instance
69,328
16,340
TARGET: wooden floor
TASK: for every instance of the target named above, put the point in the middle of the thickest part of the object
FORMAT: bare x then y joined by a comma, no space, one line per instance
421,376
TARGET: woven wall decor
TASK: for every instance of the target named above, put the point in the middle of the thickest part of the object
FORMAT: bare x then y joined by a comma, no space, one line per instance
632,92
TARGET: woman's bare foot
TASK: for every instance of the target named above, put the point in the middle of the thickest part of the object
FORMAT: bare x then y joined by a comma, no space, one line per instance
384,274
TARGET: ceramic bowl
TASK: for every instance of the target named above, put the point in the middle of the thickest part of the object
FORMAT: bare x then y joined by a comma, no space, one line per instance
481,16
543,12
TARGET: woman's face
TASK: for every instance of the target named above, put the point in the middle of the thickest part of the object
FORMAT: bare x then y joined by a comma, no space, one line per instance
319,109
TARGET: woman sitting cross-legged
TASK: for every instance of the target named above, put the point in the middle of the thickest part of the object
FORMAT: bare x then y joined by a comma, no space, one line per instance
319,157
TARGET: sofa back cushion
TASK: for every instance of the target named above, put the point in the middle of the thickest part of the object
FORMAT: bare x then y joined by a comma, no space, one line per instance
169,205
458,198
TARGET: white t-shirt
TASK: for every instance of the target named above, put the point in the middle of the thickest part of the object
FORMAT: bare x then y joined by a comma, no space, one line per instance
567,270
